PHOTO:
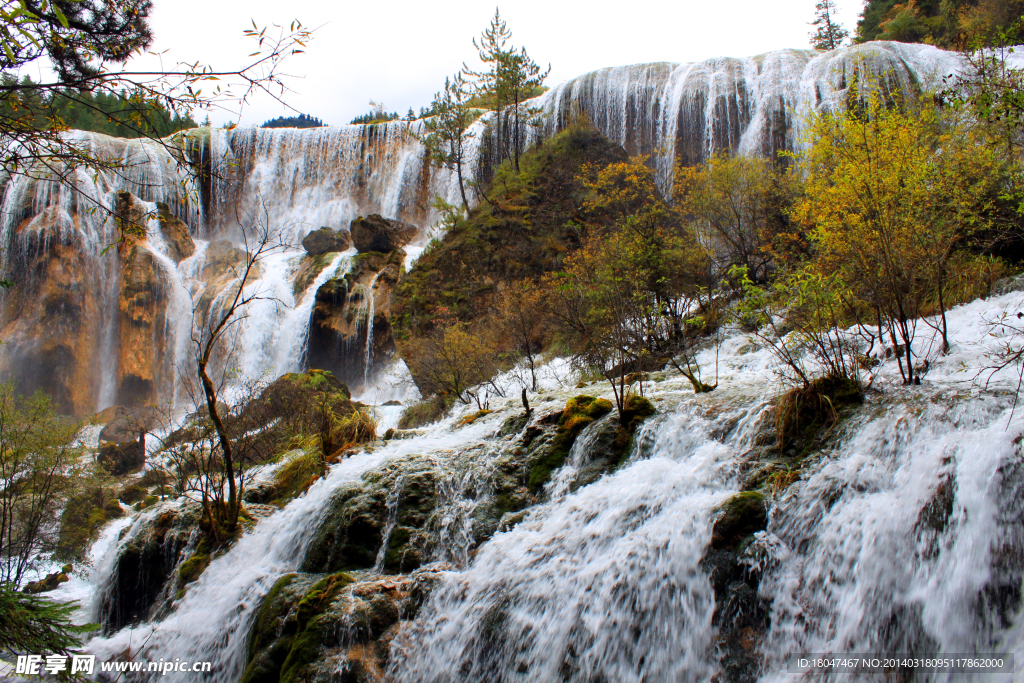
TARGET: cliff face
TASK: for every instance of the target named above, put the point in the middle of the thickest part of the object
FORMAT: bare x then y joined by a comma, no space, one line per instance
53,327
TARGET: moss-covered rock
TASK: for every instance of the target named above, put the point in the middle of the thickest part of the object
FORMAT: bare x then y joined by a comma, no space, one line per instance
132,493
352,532
804,416
579,412
330,628
739,517
121,458
741,616
309,268
82,519
192,568
49,582
472,417
421,413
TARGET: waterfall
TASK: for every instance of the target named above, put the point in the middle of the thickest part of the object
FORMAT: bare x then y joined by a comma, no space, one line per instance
296,180
368,356
903,536
211,622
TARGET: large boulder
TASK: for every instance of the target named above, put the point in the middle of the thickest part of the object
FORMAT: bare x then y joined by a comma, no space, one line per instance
122,458
326,240
128,423
376,233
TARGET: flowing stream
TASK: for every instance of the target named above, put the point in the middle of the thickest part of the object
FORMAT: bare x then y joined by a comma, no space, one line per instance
904,536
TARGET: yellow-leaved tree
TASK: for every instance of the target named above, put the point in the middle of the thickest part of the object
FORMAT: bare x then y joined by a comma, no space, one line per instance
893,195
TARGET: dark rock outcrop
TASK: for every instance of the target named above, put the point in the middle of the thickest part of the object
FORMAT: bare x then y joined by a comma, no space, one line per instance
359,521
129,423
741,615
122,458
141,573
376,233
341,320
326,240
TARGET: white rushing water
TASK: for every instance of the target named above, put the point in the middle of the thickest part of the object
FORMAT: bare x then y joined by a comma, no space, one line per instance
904,536
211,622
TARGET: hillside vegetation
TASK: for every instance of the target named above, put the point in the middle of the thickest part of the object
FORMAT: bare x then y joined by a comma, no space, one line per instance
896,211
947,24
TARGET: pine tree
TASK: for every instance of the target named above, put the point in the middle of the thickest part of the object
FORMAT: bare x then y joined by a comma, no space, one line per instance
512,77
828,34
447,129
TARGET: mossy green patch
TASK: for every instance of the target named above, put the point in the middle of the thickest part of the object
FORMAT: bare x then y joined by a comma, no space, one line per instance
421,413
82,519
295,476
805,416
132,493
193,567
740,516
291,628
579,412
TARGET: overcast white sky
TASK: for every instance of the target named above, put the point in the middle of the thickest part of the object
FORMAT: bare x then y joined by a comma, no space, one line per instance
399,52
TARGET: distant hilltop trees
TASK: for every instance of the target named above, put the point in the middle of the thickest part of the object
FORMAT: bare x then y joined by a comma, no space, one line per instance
26,106
300,121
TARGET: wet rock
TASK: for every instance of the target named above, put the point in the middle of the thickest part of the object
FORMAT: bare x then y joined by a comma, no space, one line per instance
221,258
176,233
376,233
351,533
52,317
140,578
579,412
132,493
309,269
741,615
341,320
331,628
508,498
142,316
326,240
739,517
1006,285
